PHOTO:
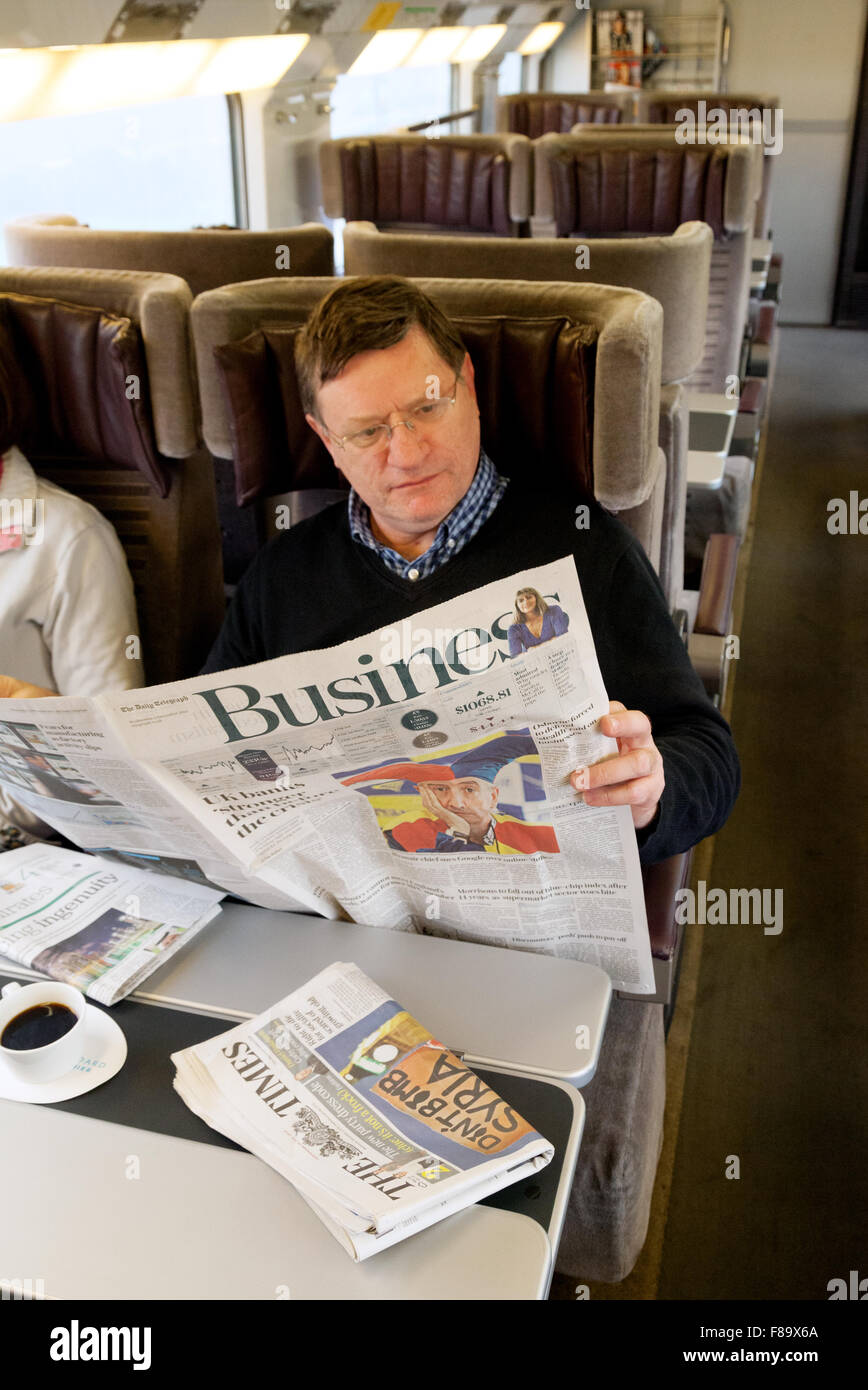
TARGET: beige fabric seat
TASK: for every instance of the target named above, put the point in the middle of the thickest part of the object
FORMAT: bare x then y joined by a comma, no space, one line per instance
673,269
204,257
542,113
625,327
457,183
108,356
640,180
662,107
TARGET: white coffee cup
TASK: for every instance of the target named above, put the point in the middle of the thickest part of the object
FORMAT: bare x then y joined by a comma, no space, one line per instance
54,1059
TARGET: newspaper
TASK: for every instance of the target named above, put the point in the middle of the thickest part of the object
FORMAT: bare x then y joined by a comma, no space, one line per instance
381,1129
97,925
415,778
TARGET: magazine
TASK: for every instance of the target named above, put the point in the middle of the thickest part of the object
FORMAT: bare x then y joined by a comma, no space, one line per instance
619,47
100,926
380,1128
415,778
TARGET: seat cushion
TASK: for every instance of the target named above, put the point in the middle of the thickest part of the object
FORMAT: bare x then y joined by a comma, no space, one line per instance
610,1202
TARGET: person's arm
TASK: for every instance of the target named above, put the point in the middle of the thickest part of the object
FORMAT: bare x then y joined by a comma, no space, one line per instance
516,645
560,621
687,750
91,626
11,688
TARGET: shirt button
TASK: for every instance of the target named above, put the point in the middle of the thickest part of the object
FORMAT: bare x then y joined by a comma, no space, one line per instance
450,544
412,574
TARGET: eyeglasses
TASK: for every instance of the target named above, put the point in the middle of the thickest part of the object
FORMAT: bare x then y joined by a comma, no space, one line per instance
430,413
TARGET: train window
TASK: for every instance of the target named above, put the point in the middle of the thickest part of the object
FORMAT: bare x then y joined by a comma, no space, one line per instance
509,75
164,166
369,103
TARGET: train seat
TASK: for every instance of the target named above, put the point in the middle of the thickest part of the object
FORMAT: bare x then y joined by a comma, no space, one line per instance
455,183
533,347
624,466
205,257
108,356
634,181
663,107
543,113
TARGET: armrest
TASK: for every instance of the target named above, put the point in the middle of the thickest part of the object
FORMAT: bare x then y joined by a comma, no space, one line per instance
661,882
717,585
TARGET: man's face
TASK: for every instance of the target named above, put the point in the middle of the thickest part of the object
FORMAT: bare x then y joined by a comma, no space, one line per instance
411,482
470,798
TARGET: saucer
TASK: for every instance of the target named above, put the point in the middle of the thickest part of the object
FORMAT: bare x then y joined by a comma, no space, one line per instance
104,1051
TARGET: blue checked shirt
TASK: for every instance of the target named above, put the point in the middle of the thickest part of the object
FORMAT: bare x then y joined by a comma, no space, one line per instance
453,533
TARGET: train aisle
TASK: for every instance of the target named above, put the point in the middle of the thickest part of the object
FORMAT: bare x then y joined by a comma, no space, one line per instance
777,1072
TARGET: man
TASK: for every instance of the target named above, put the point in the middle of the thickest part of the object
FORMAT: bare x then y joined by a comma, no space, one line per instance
462,795
389,388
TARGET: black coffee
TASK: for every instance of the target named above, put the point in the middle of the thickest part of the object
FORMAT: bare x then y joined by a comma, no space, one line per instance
37,1027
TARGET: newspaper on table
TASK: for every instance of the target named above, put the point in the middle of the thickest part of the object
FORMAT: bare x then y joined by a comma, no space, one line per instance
380,1128
100,926
415,778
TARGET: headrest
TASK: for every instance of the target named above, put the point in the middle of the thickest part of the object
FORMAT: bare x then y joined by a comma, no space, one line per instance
87,372
672,269
159,306
626,327
534,386
479,182
662,106
204,257
537,113
629,179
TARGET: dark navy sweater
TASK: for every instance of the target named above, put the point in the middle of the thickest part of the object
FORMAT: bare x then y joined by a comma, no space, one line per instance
314,586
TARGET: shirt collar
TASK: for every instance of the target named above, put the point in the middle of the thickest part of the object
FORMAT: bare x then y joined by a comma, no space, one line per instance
454,531
17,478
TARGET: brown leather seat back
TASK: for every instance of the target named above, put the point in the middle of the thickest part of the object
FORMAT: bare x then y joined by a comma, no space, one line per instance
432,183
467,183
534,385
568,381
602,192
545,112
82,339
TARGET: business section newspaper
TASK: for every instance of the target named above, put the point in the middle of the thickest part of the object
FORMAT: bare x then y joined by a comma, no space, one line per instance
380,1127
100,926
415,778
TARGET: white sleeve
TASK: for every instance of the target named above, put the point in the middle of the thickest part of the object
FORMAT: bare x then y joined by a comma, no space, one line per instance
91,628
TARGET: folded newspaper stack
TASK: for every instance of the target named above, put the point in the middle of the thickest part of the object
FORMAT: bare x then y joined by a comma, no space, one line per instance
381,1129
98,925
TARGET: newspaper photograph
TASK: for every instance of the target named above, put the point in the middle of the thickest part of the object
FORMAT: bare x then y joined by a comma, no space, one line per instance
376,1123
414,778
96,925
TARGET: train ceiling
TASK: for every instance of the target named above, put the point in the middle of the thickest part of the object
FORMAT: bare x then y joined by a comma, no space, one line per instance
339,30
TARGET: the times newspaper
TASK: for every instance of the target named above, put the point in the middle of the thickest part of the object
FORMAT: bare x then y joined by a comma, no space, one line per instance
415,778
379,1127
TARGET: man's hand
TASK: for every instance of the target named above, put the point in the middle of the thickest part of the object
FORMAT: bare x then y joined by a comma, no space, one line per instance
430,802
12,689
634,777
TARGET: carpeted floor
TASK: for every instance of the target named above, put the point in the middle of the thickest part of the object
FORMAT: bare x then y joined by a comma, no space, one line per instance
777,1073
